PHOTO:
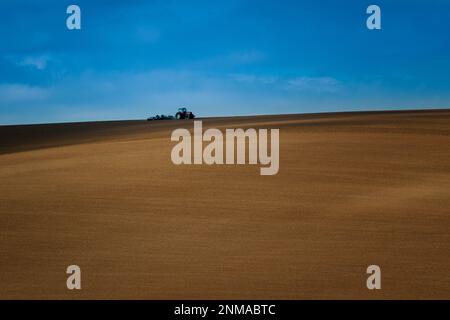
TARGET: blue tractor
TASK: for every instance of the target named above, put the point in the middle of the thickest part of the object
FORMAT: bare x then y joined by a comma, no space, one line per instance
184,114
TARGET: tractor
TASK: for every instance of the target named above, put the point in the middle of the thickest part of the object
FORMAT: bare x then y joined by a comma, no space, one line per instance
184,114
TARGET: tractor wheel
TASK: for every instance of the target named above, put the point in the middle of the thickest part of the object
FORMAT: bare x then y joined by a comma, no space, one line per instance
178,116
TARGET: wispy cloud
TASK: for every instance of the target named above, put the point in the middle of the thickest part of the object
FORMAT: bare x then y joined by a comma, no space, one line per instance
38,62
299,83
253,79
311,84
235,58
245,57
147,35
14,93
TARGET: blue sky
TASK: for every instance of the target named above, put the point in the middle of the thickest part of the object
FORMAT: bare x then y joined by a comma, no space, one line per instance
132,59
